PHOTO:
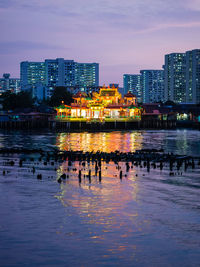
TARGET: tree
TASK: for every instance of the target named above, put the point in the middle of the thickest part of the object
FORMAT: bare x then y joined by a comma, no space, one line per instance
60,94
170,103
12,101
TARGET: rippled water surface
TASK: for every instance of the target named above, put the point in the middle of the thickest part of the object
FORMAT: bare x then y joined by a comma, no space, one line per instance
145,219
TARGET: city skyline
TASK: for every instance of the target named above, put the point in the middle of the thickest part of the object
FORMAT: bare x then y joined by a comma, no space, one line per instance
122,37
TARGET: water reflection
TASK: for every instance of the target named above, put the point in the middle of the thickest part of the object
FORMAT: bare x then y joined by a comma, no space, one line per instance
109,209
151,219
182,144
180,141
103,141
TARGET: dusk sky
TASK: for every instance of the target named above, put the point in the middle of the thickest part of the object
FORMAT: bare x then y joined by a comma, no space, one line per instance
123,36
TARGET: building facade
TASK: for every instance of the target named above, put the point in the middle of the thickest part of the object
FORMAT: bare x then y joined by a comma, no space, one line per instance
175,77
132,83
58,72
152,83
9,84
32,74
86,75
193,76
182,77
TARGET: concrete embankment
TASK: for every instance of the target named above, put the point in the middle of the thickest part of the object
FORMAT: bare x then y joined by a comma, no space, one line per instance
111,125
97,125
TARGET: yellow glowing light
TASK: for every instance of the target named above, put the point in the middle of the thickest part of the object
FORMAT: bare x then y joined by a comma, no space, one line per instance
108,103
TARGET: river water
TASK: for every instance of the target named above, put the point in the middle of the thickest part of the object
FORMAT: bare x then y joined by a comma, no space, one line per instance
145,219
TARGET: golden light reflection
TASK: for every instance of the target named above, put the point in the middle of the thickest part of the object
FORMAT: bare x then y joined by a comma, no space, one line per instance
103,141
110,205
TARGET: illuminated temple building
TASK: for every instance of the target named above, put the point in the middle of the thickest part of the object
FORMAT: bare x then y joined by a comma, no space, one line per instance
106,105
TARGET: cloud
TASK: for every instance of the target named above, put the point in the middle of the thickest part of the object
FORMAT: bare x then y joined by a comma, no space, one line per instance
167,26
114,31
7,4
94,15
19,46
193,4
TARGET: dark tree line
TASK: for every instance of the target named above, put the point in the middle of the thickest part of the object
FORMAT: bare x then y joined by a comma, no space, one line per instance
11,101
60,94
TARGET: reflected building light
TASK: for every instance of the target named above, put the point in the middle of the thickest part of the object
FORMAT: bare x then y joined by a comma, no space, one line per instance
105,142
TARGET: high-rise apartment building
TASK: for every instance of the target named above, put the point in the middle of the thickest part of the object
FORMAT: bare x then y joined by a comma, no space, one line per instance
86,74
69,72
59,72
132,83
9,84
193,76
175,77
32,74
152,86
182,77
54,72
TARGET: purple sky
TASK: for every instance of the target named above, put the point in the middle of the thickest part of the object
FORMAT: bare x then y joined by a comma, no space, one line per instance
124,36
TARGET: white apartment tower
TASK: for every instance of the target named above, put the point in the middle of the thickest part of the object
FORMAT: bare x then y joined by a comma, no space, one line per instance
152,86
175,78
193,76
58,72
133,83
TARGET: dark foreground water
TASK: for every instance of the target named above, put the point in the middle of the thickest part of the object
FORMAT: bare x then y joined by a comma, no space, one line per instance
147,219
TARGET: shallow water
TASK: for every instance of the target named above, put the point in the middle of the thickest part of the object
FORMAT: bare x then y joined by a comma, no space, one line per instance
147,219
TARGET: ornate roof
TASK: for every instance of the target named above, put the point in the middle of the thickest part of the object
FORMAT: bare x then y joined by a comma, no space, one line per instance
112,92
107,92
64,107
80,94
129,94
